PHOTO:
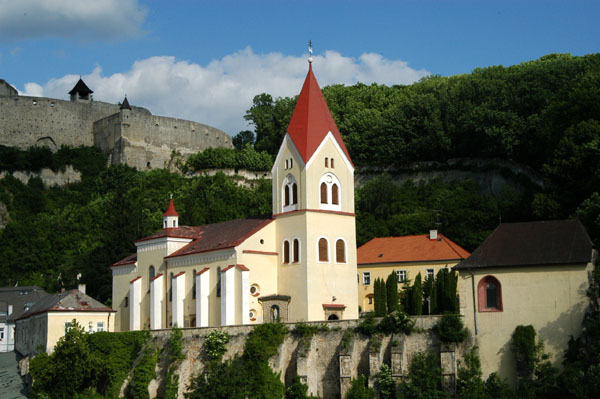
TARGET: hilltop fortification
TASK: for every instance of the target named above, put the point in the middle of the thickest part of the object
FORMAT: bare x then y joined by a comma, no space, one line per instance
127,135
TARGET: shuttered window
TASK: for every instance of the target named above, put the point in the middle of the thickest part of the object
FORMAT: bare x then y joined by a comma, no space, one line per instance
323,255
323,193
340,251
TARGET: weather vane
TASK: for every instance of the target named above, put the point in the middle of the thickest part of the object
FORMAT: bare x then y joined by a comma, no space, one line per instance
310,51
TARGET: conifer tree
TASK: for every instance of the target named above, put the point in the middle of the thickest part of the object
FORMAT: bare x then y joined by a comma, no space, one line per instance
429,296
391,286
379,295
417,297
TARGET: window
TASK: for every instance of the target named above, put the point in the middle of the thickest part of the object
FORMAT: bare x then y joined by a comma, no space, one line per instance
171,288
489,295
401,275
294,193
100,326
340,251
286,251
151,273
126,301
329,192
255,290
370,299
1,333
194,287
366,278
290,194
334,194
165,224
291,162
326,162
324,193
429,274
332,164
287,164
323,250
296,250
219,281
174,223
286,194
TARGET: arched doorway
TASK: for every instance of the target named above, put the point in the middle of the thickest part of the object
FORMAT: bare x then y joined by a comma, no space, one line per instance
333,317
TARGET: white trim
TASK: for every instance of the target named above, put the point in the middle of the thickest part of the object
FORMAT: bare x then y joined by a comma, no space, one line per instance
156,302
245,295
135,304
162,240
328,251
398,274
228,297
294,252
363,278
288,181
345,250
202,298
337,146
178,288
287,138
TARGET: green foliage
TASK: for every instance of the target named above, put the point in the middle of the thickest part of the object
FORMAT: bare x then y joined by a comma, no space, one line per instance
175,356
214,344
469,384
226,158
451,328
304,330
270,119
525,350
298,390
391,285
87,160
446,285
243,139
396,322
360,390
385,383
380,297
368,326
143,373
424,379
416,297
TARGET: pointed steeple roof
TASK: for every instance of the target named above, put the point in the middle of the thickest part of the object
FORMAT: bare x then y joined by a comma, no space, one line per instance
312,120
81,88
125,104
171,209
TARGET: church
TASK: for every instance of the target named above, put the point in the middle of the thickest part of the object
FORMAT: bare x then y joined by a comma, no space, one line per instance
298,264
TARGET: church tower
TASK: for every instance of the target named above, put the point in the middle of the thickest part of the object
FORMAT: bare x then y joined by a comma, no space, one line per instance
313,204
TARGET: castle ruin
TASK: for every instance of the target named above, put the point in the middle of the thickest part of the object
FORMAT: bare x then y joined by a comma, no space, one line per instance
127,135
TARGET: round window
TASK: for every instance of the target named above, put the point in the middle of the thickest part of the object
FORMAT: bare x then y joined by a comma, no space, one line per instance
254,290
252,315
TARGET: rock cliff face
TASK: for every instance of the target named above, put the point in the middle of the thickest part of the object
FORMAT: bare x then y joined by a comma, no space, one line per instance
131,136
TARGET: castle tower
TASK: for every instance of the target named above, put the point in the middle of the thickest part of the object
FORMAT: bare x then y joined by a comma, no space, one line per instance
313,204
80,92
170,217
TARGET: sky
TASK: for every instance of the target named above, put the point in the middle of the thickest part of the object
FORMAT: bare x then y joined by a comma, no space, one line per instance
206,60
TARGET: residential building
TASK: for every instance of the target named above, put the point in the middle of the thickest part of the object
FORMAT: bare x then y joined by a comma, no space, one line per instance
407,256
14,301
534,273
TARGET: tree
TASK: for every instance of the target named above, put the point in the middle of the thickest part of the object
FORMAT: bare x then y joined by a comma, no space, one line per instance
243,139
416,297
391,285
359,389
380,297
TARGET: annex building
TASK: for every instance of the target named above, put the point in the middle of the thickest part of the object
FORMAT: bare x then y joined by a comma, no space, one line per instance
297,264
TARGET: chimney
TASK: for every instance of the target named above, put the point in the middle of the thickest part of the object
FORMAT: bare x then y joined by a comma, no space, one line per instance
433,234
10,309
81,288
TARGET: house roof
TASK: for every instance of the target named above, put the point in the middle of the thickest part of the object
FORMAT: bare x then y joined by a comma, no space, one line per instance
312,120
532,244
223,235
128,260
418,248
171,208
191,232
67,301
21,299
125,104
80,88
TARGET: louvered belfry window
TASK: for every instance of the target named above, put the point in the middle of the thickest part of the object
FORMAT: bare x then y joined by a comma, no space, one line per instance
323,193
323,255
340,251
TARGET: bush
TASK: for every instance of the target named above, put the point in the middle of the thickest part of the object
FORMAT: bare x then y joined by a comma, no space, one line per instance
228,158
396,322
214,344
451,329
360,390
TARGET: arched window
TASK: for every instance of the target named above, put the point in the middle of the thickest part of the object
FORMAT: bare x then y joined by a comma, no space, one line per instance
324,199
489,295
219,281
323,250
151,273
194,288
333,317
165,223
294,193
330,192
290,194
326,162
296,250
171,287
335,199
332,164
340,251
286,251
174,223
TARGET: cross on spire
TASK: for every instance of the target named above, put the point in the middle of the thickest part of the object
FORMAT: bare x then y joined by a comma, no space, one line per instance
310,52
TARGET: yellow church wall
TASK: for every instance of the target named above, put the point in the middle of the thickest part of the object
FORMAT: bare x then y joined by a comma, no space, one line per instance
122,275
280,172
551,298
384,270
261,259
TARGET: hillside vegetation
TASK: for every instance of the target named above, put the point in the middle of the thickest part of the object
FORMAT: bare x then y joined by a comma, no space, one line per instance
543,114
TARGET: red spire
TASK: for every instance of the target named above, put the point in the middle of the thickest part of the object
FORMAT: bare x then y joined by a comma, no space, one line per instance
312,120
171,209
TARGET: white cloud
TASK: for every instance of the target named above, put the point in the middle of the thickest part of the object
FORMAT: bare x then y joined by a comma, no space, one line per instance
82,19
218,94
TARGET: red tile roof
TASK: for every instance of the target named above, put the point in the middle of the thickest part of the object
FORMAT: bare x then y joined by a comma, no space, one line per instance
128,260
171,208
191,232
409,249
222,235
312,120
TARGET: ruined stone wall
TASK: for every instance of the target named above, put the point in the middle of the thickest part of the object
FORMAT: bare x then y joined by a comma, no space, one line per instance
27,121
322,362
148,141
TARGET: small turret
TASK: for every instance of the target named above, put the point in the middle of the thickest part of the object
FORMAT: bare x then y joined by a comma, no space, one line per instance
80,92
170,217
125,104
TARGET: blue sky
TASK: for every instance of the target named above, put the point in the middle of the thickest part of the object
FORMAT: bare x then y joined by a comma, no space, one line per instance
205,61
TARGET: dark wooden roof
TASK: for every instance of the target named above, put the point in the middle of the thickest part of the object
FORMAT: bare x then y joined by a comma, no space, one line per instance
81,88
532,244
125,104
